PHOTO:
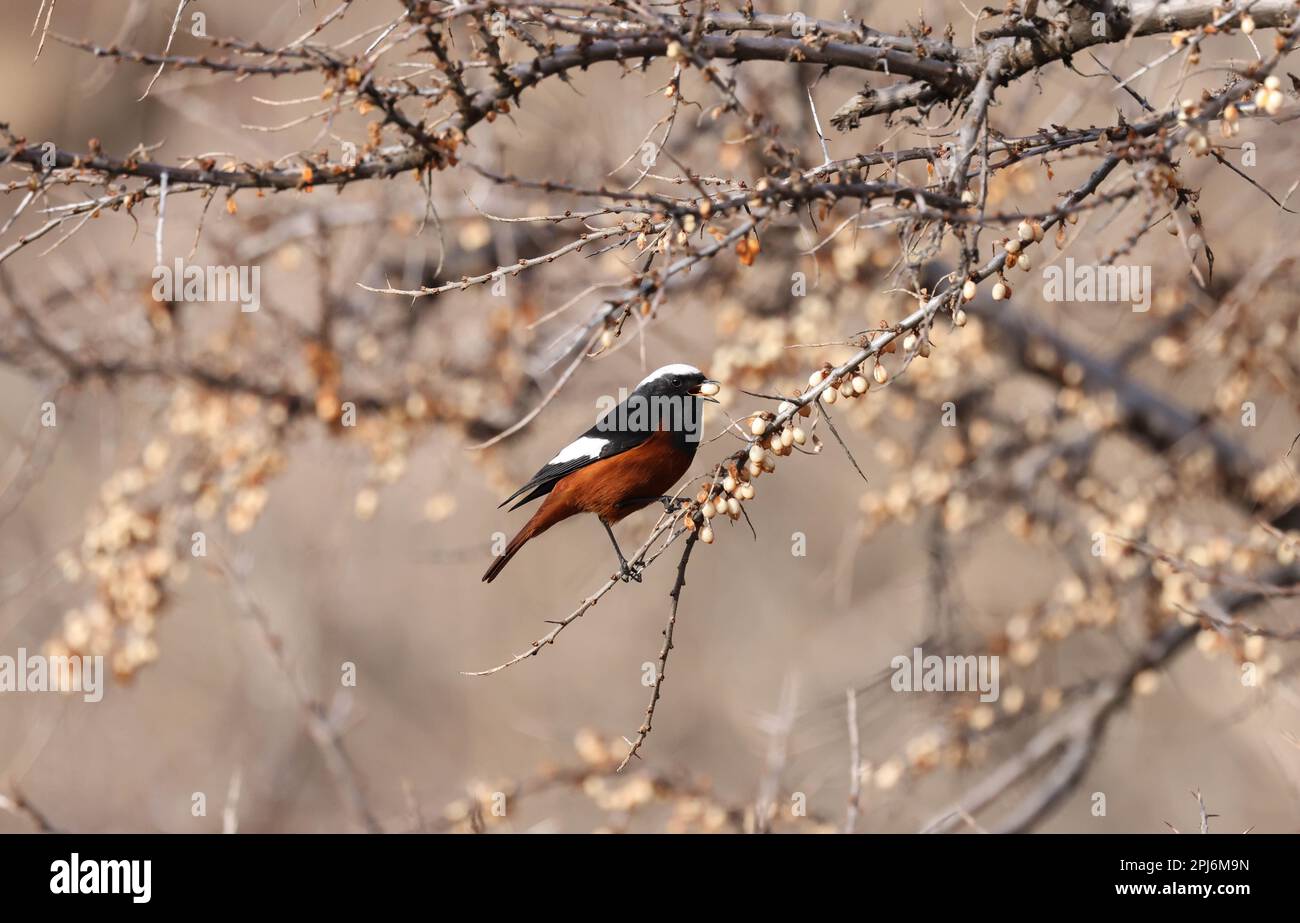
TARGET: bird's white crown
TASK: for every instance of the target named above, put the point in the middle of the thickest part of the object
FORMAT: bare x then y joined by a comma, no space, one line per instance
679,368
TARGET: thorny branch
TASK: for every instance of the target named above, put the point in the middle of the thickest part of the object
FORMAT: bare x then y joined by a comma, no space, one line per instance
675,594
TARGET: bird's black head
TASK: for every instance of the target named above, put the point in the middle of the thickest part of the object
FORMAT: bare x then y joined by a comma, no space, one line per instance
677,381
669,399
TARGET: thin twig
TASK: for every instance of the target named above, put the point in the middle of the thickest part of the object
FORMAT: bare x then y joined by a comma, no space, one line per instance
675,594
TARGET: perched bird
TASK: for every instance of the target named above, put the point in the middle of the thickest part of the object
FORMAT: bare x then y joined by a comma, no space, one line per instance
632,456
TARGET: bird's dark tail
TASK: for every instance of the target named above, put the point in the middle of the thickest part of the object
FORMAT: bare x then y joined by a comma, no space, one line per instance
542,520
499,564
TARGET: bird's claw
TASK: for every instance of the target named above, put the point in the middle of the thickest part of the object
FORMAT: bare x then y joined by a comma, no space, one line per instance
631,571
672,504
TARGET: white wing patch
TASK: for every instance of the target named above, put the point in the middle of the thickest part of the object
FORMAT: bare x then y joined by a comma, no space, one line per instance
678,369
586,447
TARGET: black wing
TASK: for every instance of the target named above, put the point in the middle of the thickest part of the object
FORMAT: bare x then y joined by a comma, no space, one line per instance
604,440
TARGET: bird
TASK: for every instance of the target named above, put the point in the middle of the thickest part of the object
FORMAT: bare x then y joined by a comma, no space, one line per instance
629,459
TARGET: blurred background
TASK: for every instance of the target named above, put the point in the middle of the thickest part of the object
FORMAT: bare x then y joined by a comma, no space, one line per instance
331,545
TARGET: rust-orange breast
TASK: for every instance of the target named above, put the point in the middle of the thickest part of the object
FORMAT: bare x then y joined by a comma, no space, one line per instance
641,474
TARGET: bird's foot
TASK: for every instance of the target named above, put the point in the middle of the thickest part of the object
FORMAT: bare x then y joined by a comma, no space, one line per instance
631,571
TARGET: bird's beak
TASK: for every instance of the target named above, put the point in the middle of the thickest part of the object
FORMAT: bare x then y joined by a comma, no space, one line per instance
707,389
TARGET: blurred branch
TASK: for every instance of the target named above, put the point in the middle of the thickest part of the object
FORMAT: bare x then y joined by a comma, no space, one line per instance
17,804
855,762
321,727
1069,744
